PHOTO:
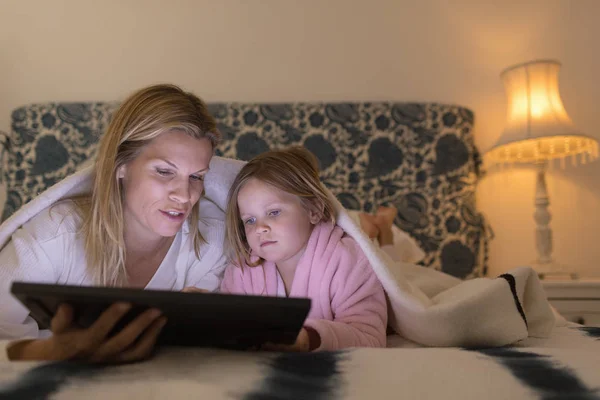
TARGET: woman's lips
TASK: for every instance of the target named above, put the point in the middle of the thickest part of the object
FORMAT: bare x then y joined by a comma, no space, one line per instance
172,217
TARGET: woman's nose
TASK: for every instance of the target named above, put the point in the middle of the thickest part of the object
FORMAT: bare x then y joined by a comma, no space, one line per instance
181,192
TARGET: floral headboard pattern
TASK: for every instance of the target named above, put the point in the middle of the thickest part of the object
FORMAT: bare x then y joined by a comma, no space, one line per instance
419,157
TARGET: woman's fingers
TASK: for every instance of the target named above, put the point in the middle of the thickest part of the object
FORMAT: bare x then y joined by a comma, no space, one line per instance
62,320
144,347
135,341
81,343
126,337
105,323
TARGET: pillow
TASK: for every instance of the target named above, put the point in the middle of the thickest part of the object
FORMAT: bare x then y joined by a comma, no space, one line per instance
48,142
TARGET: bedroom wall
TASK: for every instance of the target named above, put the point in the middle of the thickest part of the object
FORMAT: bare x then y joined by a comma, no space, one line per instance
272,50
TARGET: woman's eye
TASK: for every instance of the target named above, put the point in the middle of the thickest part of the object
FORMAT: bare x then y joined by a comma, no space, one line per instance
163,172
197,178
250,221
274,213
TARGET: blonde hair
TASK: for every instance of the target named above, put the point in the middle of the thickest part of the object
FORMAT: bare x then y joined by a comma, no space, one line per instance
142,117
294,170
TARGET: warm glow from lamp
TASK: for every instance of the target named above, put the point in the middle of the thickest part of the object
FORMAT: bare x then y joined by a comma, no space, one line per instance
538,130
538,127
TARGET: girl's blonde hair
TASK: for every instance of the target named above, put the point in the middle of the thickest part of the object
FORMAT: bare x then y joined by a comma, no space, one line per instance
142,117
294,170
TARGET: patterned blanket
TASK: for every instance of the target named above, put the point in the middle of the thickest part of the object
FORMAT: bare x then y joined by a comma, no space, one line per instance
564,366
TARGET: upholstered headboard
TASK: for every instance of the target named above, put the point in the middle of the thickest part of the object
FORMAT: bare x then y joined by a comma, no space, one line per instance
418,156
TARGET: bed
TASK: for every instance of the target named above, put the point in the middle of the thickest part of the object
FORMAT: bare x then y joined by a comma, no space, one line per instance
420,157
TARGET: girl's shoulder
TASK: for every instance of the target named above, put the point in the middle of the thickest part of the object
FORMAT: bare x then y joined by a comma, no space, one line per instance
331,242
349,245
247,280
247,270
339,239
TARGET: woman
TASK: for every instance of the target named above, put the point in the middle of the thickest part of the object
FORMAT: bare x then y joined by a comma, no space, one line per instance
141,226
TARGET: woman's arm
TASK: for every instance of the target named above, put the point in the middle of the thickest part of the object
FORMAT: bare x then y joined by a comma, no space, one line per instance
37,253
22,259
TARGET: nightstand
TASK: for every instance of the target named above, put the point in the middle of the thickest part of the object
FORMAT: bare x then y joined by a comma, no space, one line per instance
577,300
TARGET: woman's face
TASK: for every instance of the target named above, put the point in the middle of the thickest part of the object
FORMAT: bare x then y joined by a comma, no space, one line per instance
163,183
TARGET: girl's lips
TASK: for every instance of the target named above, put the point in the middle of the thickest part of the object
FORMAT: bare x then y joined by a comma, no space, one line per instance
267,243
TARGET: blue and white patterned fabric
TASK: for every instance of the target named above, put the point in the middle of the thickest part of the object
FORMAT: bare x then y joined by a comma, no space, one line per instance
563,367
419,157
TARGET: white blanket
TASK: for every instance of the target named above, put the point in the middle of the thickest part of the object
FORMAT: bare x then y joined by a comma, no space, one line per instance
426,306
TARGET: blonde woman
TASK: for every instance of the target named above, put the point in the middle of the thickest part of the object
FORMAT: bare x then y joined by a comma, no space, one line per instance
142,226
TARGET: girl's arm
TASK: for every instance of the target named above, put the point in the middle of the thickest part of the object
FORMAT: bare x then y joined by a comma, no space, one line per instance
359,307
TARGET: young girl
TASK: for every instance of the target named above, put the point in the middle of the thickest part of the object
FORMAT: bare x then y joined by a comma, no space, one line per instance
284,241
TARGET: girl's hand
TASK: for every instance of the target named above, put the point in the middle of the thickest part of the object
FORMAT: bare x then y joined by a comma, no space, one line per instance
307,340
133,343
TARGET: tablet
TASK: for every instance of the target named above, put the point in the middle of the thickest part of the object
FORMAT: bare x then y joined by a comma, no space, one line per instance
193,319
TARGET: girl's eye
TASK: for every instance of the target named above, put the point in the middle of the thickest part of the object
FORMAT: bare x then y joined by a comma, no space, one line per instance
197,178
163,172
250,221
274,213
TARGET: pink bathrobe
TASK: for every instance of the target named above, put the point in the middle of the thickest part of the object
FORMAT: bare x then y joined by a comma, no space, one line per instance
348,302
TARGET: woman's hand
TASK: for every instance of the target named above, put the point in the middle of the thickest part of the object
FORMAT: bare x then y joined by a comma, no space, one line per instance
133,343
308,339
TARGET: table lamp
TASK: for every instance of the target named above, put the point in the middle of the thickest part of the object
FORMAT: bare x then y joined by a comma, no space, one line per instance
539,131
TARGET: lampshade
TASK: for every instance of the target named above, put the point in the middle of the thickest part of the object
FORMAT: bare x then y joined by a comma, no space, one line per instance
538,127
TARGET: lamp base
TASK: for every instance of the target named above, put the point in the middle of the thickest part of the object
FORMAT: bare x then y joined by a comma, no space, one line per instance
553,271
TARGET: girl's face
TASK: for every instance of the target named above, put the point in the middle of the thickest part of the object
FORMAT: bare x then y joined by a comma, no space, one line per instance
163,183
276,223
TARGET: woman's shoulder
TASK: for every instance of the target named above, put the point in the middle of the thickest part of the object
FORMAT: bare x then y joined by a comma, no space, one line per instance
212,230
212,223
63,217
211,248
